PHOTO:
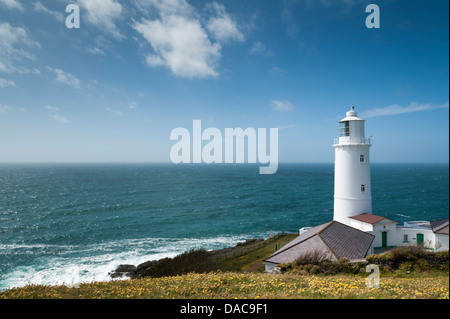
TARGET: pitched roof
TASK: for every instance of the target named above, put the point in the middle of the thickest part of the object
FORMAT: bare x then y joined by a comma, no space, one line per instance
440,226
334,239
370,218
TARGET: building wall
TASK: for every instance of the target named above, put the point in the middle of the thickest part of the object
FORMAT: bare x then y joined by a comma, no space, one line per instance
395,236
387,227
441,242
412,238
350,174
360,225
269,265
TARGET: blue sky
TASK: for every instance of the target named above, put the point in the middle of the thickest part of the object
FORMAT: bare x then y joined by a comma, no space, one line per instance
114,89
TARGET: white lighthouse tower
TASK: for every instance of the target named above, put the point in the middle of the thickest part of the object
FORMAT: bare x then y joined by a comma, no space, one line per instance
352,191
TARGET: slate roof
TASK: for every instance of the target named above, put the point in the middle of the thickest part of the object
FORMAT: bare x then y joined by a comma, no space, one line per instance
440,226
369,218
334,239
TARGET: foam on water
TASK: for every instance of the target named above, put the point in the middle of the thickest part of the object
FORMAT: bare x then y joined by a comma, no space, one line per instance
61,268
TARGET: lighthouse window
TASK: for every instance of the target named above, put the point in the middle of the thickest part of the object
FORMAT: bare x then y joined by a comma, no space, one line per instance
361,158
363,188
344,128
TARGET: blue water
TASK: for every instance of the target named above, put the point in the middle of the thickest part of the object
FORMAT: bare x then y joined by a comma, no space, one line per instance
70,223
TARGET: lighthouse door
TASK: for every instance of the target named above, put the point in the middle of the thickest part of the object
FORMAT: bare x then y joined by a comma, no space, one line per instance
384,239
419,239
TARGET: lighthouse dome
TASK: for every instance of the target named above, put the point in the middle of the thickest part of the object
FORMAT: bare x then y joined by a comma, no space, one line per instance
351,116
351,113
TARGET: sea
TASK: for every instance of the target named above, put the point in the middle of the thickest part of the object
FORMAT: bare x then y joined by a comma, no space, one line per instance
75,223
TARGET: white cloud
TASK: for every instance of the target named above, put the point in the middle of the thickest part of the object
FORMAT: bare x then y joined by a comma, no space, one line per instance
56,14
278,71
60,119
180,40
182,45
166,7
260,49
101,46
397,109
65,77
52,108
282,106
96,51
222,27
133,105
5,108
5,83
154,60
286,127
103,14
14,47
12,4
115,112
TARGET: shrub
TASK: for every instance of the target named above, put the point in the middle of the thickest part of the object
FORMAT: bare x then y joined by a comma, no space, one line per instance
406,253
197,261
314,257
318,262
411,258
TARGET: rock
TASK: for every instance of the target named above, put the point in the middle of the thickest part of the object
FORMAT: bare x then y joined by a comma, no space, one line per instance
132,271
141,268
123,270
274,271
362,262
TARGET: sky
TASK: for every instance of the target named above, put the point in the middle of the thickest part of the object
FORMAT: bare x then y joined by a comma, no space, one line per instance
113,89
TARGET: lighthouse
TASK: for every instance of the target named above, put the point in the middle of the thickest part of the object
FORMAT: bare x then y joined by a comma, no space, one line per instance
352,191
354,233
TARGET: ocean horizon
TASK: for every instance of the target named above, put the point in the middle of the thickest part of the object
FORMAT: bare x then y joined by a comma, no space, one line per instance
69,223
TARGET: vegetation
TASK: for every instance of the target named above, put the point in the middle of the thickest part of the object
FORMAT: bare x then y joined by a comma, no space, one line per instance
243,285
250,257
316,263
399,262
247,256
411,260
407,272
197,261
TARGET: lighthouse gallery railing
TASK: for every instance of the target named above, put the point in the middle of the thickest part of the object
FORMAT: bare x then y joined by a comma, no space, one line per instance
353,140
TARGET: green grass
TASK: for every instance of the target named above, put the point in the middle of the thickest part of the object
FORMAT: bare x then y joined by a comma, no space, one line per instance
252,260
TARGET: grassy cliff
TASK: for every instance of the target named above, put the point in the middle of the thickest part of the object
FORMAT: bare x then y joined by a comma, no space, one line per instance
237,273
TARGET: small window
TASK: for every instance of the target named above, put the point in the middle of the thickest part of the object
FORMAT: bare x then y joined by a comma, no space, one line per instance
361,158
405,238
363,188
344,128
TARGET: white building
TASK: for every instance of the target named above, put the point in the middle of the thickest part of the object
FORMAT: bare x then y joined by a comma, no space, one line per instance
432,235
440,229
353,200
382,228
